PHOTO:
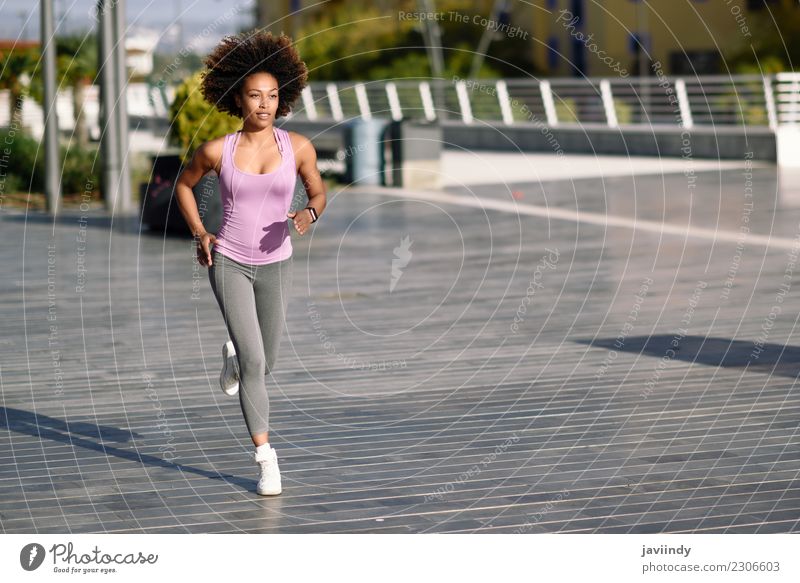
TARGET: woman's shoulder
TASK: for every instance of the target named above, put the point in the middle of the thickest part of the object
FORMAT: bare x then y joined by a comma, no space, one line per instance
301,145
215,146
298,138
213,149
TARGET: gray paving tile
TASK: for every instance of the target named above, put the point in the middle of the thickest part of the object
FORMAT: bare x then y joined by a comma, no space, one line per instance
713,447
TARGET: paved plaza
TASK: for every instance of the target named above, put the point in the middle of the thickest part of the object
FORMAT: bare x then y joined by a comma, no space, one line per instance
608,354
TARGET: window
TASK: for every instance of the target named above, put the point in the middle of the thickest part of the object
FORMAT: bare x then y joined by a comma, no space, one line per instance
756,5
638,41
552,53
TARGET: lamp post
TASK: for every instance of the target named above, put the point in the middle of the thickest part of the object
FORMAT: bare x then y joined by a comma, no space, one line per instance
125,201
499,12
52,184
433,45
113,106
644,46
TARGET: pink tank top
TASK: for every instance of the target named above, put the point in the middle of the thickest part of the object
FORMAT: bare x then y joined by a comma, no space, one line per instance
255,228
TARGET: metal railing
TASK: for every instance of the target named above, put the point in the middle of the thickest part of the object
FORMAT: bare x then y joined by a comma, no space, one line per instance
744,100
749,100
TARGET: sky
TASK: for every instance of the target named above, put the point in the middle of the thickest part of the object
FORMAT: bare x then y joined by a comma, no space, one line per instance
19,19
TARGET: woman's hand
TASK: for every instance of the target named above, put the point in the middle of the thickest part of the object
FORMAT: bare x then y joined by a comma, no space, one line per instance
302,220
203,251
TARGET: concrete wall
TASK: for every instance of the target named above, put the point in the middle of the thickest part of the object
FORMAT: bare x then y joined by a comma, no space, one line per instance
715,143
720,142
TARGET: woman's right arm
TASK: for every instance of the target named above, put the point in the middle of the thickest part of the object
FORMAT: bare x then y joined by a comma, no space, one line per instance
202,162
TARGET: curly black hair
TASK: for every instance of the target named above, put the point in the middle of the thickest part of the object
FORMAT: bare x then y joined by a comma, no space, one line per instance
240,55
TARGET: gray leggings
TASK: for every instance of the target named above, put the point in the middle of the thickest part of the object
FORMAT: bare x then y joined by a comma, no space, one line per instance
253,301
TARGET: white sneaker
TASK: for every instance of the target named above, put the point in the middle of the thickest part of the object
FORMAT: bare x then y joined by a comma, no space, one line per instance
269,483
229,377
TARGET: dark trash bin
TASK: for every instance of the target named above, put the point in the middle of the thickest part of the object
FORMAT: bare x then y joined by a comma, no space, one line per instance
363,150
415,152
159,208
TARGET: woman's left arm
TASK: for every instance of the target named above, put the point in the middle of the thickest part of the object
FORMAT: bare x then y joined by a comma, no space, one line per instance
306,157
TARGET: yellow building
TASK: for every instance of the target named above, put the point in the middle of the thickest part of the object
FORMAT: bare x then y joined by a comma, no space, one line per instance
605,37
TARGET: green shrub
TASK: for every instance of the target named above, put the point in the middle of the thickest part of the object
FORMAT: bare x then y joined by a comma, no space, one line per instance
25,165
624,112
194,121
25,160
566,110
11,183
80,170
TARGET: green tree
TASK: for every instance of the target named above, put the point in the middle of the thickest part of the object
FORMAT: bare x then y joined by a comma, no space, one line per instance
15,66
169,68
773,46
77,68
349,42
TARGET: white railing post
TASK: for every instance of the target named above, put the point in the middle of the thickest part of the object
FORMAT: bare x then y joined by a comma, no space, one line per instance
394,101
308,103
787,137
504,102
608,103
788,98
427,100
769,102
549,104
363,102
683,103
777,99
788,120
463,102
333,99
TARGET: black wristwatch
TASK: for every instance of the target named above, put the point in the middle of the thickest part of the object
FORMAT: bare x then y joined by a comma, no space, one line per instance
314,215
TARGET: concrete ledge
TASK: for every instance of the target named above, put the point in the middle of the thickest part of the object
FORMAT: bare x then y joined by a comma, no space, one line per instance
721,142
667,141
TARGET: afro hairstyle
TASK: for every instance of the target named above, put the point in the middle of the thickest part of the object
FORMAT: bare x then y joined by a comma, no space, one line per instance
240,55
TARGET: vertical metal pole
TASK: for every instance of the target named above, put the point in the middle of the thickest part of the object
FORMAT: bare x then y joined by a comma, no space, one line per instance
486,40
642,24
51,154
433,42
125,204
108,121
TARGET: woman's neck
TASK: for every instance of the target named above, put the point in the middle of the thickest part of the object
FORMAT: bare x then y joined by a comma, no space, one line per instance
261,135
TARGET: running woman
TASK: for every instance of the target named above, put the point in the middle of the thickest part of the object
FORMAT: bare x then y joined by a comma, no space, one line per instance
255,76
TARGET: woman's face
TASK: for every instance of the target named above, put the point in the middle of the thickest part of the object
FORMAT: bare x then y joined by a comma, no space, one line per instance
259,99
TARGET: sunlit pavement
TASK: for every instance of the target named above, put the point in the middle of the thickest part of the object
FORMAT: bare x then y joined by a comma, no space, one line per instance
520,357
